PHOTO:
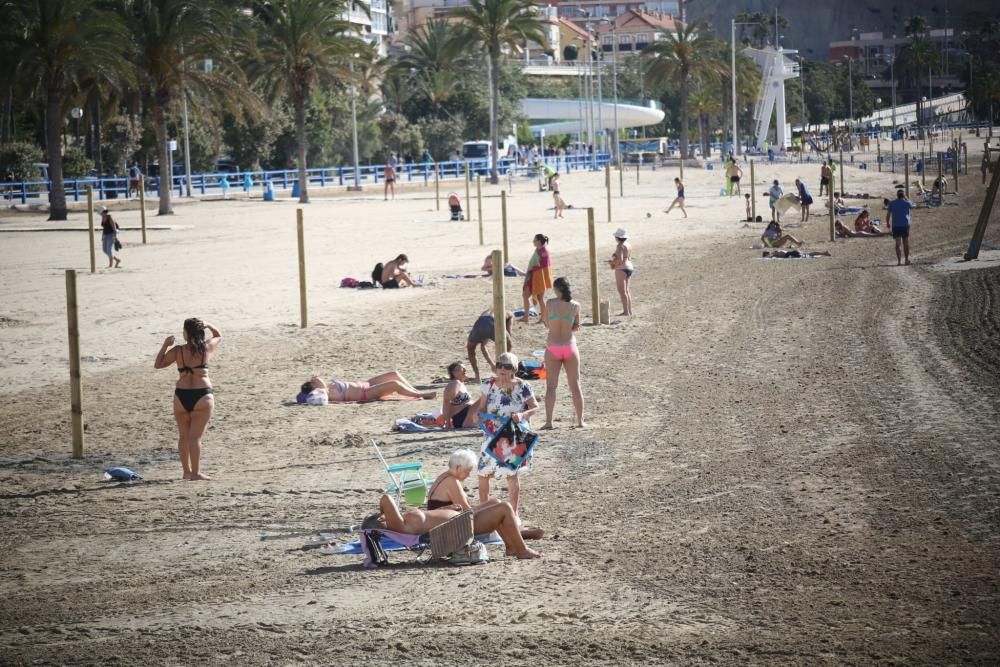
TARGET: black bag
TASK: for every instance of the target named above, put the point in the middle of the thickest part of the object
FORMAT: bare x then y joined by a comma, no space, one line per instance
374,544
118,244
377,274
525,372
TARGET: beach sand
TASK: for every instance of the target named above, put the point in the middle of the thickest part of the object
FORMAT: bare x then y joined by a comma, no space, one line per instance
788,461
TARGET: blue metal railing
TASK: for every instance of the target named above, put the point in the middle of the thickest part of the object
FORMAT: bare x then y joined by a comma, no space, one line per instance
286,179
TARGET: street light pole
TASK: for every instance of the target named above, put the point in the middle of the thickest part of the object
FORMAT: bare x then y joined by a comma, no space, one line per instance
732,72
614,83
354,125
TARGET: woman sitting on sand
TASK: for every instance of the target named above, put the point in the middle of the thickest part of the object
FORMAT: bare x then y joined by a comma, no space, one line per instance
339,391
194,402
508,270
775,238
844,233
445,500
863,223
457,405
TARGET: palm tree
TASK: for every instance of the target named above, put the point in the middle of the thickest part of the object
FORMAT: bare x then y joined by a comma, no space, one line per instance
678,57
172,37
705,102
429,61
917,58
301,44
493,26
57,44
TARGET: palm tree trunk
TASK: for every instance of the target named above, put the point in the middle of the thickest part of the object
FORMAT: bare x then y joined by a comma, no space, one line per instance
494,82
300,140
166,178
684,115
53,124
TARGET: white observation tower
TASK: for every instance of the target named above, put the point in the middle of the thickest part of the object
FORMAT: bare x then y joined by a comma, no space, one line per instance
775,69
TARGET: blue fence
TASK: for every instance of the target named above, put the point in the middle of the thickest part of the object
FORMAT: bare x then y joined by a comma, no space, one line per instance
286,179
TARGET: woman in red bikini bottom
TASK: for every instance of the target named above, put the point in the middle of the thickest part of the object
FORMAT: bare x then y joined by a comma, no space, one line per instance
193,399
562,317
373,389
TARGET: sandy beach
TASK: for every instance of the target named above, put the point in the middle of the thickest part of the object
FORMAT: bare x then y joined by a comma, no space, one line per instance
788,461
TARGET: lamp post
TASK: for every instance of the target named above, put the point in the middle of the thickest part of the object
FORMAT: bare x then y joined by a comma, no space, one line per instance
600,95
732,64
354,124
77,114
850,90
615,150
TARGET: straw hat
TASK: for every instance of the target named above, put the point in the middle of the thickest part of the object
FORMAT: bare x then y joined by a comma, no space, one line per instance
620,233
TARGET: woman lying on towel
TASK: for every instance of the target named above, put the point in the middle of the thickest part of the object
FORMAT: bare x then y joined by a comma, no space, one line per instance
339,391
445,500
844,233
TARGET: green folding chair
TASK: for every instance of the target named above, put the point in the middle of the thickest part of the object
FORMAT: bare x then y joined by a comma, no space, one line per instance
406,480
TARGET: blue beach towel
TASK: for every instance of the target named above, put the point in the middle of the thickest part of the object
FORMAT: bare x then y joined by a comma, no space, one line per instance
121,474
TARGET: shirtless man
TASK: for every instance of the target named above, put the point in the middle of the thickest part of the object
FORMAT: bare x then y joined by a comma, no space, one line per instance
389,174
733,176
394,273
825,179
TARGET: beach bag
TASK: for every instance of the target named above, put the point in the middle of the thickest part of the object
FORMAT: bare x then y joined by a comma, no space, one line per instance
471,554
365,284
377,274
349,282
118,244
373,545
530,369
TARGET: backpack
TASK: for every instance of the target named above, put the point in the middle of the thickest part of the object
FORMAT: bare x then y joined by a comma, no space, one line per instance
471,554
377,274
349,282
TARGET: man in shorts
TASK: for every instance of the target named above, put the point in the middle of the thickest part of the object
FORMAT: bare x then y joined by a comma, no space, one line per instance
733,176
389,174
395,273
483,332
773,195
825,178
899,221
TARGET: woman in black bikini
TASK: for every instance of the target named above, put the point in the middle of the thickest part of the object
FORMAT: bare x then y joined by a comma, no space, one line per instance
193,399
458,409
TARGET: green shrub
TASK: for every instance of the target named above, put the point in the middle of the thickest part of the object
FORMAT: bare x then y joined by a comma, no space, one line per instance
17,161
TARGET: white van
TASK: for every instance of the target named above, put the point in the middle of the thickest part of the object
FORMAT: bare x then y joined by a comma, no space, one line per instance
480,150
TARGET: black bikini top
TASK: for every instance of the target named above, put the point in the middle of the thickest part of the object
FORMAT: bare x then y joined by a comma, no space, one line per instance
189,369
461,398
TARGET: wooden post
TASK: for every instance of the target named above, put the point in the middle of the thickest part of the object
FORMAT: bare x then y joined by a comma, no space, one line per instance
956,156
923,170
940,161
841,170
499,308
142,206
878,151
605,312
833,226
468,200
682,169
984,213
437,186
607,187
906,172
479,199
303,307
75,383
503,218
637,165
965,157
621,179
90,229
595,295
753,193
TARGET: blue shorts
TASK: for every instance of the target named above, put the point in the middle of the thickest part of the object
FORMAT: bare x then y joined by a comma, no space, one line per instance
108,244
901,232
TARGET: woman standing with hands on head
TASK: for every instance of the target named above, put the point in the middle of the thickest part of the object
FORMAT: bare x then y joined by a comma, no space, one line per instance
561,352
621,264
194,402
538,276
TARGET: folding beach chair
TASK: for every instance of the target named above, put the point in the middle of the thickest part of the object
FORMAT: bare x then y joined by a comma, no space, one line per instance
406,481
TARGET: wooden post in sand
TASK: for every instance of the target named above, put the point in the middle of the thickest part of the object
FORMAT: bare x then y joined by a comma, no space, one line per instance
984,213
503,218
842,170
607,187
833,226
90,228
479,207
753,194
878,153
638,164
142,207
437,186
906,173
468,200
940,160
956,157
499,309
595,295
75,384
303,308
621,178
923,170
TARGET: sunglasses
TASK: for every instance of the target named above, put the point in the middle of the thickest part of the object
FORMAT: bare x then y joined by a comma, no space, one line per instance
506,367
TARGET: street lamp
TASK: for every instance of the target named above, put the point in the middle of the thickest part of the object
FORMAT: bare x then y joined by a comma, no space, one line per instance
734,23
850,88
77,114
616,149
354,124
600,92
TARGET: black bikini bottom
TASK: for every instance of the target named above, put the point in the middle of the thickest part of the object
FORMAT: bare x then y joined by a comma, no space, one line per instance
458,419
190,397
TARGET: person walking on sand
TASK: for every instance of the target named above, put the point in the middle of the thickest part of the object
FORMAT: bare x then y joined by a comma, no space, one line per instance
733,176
898,218
805,199
773,195
679,199
621,264
389,174
538,277
109,238
560,203
825,178
563,321
194,401
483,331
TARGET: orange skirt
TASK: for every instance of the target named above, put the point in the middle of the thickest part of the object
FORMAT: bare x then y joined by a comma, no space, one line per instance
541,280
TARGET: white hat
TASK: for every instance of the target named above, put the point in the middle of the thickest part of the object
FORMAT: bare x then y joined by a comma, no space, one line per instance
104,209
620,233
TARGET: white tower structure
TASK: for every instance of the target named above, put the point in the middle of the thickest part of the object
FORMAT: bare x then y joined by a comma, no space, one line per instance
775,69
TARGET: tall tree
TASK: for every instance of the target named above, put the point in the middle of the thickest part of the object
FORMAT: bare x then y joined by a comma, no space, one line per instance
57,44
171,38
429,61
918,58
495,26
679,57
302,44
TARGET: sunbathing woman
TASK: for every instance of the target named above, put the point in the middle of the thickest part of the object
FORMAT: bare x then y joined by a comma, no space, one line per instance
445,500
339,391
863,223
775,238
193,399
844,233
508,270
457,404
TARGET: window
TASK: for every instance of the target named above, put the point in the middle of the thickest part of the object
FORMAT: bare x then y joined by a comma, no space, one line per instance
641,39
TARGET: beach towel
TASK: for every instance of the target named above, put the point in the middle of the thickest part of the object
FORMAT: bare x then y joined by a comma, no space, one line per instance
389,542
121,474
390,397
